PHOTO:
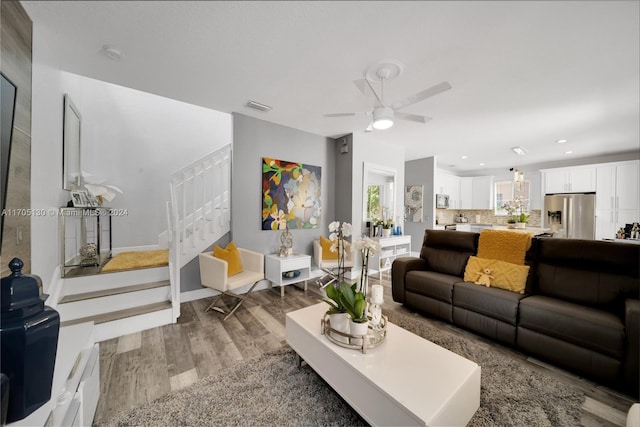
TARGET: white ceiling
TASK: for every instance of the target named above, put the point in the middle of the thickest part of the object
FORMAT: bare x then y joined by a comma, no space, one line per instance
523,73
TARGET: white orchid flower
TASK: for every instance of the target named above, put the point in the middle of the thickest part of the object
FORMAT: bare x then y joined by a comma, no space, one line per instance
334,226
346,229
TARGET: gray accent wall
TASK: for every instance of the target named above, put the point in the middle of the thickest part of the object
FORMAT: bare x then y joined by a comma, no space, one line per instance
421,172
254,139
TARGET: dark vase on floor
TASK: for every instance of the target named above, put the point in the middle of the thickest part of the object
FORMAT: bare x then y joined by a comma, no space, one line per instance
29,335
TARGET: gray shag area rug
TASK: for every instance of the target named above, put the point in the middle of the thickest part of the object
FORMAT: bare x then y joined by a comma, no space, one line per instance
272,391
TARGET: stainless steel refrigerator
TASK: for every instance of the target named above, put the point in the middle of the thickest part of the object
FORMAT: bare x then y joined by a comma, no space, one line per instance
570,215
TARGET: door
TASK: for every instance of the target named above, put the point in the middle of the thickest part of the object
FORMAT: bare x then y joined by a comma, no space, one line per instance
581,216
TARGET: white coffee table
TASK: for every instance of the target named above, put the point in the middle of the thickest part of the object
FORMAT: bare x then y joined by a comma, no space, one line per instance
406,380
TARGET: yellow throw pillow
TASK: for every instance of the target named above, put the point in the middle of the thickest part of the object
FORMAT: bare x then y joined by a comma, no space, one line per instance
326,249
506,275
231,255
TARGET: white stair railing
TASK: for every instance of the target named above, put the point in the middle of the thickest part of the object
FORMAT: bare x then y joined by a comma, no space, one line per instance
198,212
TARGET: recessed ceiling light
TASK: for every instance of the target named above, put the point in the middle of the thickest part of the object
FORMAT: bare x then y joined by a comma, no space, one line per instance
561,141
481,164
519,151
258,106
463,157
568,152
112,52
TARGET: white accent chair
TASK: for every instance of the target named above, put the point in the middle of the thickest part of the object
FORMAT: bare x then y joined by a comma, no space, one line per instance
330,266
213,274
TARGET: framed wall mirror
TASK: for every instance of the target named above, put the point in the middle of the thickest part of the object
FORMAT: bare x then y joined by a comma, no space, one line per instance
72,142
379,192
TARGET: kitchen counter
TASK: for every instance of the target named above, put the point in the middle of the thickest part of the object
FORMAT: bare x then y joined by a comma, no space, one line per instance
531,230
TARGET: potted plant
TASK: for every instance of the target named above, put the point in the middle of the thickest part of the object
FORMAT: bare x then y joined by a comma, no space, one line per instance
338,316
386,227
355,305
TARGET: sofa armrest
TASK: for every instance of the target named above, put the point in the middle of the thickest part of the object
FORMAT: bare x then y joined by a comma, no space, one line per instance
631,369
399,269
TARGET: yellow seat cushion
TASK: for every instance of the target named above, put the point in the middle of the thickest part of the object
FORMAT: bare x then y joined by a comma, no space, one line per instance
231,255
506,275
326,249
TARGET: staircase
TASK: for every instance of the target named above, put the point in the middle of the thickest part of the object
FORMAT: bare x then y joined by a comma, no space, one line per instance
198,213
118,303
124,302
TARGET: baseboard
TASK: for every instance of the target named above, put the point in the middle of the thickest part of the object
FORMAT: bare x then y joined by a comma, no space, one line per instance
54,290
197,294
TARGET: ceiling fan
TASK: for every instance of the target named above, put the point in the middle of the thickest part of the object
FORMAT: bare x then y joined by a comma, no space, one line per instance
384,113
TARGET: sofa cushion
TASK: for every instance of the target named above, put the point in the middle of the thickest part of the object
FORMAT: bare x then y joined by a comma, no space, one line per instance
596,273
429,283
583,326
447,252
495,303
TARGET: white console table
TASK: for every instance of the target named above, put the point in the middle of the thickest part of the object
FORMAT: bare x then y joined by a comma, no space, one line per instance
391,247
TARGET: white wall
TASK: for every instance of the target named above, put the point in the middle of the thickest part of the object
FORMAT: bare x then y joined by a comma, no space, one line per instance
255,139
132,139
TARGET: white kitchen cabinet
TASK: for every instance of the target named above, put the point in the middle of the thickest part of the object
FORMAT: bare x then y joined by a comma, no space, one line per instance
449,184
617,197
580,179
482,192
463,227
466,193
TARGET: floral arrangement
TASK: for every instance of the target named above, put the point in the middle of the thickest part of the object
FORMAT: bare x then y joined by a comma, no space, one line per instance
367,247
516,209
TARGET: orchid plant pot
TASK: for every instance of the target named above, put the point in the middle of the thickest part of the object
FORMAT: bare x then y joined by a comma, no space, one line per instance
340,323
521,225
359,329
386,232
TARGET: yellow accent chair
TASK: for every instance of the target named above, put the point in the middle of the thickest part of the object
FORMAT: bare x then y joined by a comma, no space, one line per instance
214,274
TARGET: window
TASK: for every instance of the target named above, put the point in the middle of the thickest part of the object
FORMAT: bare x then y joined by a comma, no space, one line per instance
506,191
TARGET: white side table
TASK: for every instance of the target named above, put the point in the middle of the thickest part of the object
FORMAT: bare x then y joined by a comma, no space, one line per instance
275,265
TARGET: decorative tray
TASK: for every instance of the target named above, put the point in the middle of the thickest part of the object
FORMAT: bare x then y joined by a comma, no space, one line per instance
372,339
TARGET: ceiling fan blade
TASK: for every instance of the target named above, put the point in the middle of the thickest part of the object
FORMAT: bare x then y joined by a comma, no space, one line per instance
412,117
420,96
378,99
339,114
361,85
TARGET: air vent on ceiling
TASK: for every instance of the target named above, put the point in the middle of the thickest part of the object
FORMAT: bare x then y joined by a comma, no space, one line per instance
519,151
258,106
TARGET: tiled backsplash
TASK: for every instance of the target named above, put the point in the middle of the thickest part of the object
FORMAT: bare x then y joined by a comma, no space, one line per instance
448,216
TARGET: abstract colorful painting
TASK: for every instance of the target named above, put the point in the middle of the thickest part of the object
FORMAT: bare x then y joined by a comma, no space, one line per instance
290,195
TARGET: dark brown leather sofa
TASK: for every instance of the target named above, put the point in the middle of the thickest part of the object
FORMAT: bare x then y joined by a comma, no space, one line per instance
580,309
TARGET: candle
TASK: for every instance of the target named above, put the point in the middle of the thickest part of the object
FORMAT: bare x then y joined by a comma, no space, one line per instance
376,294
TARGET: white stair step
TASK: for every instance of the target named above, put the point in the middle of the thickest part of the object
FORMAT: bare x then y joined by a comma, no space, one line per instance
113,302
102,281
123,322
113,291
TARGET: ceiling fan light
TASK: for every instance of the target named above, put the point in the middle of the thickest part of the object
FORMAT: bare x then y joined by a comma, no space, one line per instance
382,118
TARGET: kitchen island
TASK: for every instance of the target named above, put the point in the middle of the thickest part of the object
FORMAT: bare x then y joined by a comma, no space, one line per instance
534,231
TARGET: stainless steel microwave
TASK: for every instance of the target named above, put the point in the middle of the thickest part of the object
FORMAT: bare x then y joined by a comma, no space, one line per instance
442,201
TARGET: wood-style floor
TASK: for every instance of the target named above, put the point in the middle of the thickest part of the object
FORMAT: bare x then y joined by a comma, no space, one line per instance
140,367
